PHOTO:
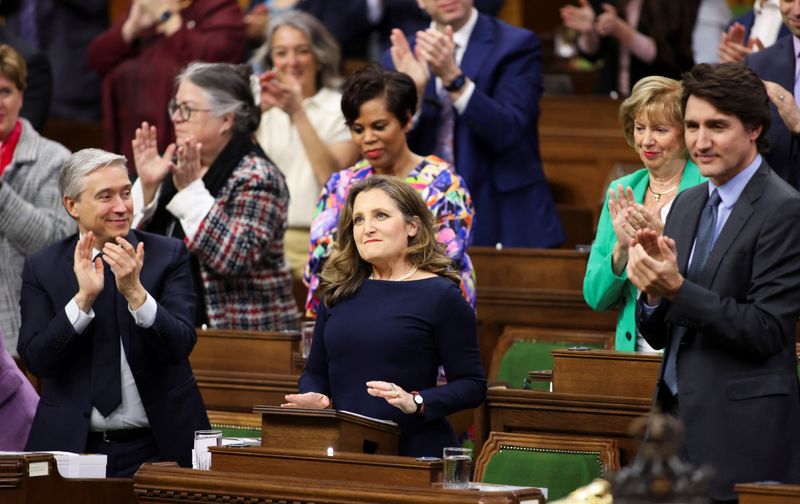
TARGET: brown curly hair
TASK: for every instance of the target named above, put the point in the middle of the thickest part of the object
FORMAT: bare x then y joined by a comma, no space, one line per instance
345,270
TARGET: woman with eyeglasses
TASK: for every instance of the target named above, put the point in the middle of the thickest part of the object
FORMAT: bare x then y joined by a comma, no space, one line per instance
140,54
217,191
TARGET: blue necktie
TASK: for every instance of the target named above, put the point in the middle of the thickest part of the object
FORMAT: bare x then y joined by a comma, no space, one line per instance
444,138
106,377
704,242
28,29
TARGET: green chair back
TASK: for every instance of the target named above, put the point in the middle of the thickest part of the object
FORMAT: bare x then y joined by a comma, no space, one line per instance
237,431
528,355
560,471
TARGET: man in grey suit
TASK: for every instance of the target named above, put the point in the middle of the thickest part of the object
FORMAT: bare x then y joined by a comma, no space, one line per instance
721,290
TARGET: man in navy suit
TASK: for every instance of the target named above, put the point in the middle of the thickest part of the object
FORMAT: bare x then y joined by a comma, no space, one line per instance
777,66
721,290
110,336
480,82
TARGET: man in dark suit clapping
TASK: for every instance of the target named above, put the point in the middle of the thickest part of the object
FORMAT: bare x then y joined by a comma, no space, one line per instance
110,337
721,290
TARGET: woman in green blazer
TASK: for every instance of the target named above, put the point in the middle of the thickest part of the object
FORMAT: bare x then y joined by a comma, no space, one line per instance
653,125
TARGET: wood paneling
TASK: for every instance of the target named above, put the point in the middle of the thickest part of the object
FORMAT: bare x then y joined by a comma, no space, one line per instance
160,483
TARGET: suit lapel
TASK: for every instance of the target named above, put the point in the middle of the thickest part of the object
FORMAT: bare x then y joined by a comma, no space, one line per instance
740,214
70,280
690,205
480,42
785,66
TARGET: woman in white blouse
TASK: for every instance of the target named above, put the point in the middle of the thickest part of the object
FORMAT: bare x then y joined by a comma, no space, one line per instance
302,127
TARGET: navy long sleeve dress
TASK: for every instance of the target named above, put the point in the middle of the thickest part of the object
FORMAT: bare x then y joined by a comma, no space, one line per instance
400,332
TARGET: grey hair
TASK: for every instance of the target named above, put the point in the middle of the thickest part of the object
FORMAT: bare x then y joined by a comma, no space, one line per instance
227,89
72,180
324,46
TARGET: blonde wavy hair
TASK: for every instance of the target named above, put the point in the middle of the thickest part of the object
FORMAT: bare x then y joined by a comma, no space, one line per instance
345,270
659,99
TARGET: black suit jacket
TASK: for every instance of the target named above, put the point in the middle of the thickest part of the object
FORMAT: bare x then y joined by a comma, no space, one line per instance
39,92
158,356
777,63
736,366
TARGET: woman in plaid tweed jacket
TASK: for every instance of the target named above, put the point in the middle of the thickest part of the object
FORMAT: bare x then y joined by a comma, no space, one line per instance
225,199
31,214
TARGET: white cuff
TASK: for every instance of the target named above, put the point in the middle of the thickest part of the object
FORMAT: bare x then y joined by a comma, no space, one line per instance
374,11
142,213
461,104
78,318
145,316
191,205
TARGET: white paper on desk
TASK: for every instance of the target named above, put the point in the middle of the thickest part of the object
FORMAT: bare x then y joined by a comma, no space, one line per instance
80,465
491,487
241,441
74,465
359,415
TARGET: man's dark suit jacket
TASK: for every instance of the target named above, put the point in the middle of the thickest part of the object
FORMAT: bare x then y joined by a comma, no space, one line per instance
736,367
158,356
39,91
496,140
777,63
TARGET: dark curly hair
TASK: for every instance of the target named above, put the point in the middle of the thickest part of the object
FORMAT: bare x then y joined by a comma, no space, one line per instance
370,82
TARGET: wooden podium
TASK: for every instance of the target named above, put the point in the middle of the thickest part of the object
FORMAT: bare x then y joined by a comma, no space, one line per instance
318,430
33,478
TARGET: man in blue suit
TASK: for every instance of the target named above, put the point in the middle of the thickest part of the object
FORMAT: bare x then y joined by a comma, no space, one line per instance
777,66
110,336
480,81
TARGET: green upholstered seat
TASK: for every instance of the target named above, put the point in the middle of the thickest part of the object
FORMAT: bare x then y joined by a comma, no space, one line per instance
527,355
559,471
558,463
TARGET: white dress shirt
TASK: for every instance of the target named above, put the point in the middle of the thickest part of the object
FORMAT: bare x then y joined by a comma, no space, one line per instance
130,413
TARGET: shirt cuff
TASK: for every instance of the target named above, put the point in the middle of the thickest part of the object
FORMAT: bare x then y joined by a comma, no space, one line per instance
141,213
463,100
646,311
374,11
191,205
78,318
145,315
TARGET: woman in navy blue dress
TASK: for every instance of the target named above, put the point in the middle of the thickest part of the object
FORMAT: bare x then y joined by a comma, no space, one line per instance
392,312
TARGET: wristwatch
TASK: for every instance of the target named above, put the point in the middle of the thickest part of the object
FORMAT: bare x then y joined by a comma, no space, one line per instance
419,401
457,83
164,17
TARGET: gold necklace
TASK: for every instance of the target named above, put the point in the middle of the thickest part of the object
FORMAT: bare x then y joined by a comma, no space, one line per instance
404,277
657,195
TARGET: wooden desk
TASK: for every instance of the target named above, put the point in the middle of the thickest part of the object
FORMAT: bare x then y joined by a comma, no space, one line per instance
576,415
341,466
19,484
160,483
578,155
765,493
237,369
605,373
315,429
532,287
245,352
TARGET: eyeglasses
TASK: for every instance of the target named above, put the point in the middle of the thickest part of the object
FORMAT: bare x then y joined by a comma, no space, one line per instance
184,110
